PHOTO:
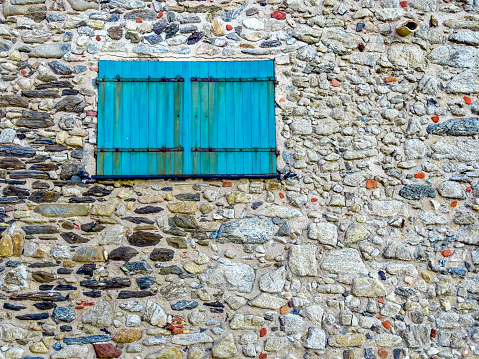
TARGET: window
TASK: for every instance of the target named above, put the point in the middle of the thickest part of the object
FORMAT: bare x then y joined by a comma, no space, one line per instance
186,118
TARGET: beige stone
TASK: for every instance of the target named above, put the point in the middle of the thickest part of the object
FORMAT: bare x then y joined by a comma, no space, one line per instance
346,340
18,244
127,336
192,267
183,207
39,348
6,246
105,209
218,27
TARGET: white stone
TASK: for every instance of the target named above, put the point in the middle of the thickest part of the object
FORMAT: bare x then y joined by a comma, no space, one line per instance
324,232
253,24
273,281
302,260
155,314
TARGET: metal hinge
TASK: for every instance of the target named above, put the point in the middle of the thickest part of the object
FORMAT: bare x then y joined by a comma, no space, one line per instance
161,149
211,149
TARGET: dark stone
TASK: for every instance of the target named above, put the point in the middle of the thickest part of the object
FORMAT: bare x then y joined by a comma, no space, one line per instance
64,271
256,205
36,13
192,19
116,32
28,174
54,84
34,119
63,328
144,14
144,239
41,94
13,307
11,163
188,197
42,196
148,210
107,351
177,242
382,275
397,353
13,264
55,148
107,284
183,221
97,191
171,30
14,100
70,92
17,151
216,304
73,238
417,191
63,314
175,231
145,282
405,292
39,296
16,191
184,304
46,287
45,305
92,227
348,354
464,127
122,254
369,353
36,316
188,29
233,14
81,200
457,271
162,254
43,277
138,220
68,225
42,265
59,69
159,26
70,104
5,45
270,43
10,200
44,167
133,37
173,269
87,340
154,39
126,294
87,269
93,294
71,168
360,26
65,287
193,39
133,268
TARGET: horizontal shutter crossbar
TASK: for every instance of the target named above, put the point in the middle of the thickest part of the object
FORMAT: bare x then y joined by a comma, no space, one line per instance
149,79
211,79
161,149
199,149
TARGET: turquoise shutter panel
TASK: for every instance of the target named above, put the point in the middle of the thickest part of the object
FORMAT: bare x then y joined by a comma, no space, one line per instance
140,119
233,118
185,118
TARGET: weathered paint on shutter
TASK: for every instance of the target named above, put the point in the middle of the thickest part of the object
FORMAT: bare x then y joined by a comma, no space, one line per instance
163,118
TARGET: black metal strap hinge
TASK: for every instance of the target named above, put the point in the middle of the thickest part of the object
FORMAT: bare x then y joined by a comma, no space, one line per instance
210,149
161,149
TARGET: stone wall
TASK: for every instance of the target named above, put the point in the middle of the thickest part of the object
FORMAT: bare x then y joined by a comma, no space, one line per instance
370,251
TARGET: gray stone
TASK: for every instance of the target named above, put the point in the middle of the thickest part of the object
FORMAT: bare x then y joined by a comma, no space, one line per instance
344,261
81,5
276,344
280,212
128,4
419,335
424,5
50,50
356,232
190,339
155,314
246,230
246,322
452,320
468,234
71,352
302,260
414,149
302,127
364,58
231,276
273,281
465,83
5,45
465,37
14,280
451,189
268,301
100,316
324,232
417,191
62,314
431,218
462,127
225,348
407,56
388,208
368,287
8,135
456,56
316,339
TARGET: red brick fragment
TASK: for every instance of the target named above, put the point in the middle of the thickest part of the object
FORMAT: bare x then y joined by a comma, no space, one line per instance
229,27
453,203
467,100
227,184
139,19
435,119
23,72
403,3
107,350
92,113
159,15
314,200
420,175
98,38
469,189
262,332
387,324
433,333
335,83
371,184
278,15
390,79
446,253
281,195
263,356
383,353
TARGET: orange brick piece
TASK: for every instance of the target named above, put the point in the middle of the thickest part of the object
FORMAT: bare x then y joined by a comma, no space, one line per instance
420,175
435,119
390,79
387,324
371,184
446,253
335,83
453,203
467,100
283,310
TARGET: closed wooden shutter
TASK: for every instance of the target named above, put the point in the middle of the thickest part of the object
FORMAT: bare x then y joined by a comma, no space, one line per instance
186,118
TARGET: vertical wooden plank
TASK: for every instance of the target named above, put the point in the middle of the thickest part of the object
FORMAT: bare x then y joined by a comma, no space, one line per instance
271,118
238,119
140,121
249,116
149,140
186,117
195,116
203,167
221,121
229,125
255,104
210,163
160,99
262,164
